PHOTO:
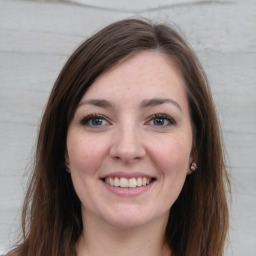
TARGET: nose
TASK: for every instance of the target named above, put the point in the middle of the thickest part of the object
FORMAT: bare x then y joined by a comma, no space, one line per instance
127,144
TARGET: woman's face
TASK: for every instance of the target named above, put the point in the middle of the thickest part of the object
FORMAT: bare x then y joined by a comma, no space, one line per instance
129,143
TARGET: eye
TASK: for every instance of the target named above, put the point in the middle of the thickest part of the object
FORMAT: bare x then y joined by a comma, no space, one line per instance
161,120
94,120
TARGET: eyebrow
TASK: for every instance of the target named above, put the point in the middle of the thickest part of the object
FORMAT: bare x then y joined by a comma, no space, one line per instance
144,104
159,101
97,102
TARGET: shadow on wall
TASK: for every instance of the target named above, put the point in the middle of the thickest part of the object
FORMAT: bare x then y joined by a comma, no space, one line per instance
137,6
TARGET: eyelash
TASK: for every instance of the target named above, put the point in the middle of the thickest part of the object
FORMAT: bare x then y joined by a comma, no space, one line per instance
164,117
85,121
92,117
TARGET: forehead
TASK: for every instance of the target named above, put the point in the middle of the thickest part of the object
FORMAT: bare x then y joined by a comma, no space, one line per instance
146,74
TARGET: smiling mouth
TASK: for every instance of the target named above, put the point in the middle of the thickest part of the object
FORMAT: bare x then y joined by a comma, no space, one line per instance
128,183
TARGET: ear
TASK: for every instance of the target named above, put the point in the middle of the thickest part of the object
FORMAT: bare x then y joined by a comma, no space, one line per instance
66,158
67,167
192,159
189,171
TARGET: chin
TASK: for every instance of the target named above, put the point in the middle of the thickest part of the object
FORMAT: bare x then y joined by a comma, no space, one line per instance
134,219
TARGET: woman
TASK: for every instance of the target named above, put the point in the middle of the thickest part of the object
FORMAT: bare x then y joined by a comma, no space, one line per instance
129,159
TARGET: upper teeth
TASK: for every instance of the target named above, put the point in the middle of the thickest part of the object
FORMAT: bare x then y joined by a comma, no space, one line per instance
127,183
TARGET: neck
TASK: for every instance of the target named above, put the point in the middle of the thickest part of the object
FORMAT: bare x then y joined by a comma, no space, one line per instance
102,239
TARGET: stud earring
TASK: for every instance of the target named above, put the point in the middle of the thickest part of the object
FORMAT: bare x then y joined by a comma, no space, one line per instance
193,166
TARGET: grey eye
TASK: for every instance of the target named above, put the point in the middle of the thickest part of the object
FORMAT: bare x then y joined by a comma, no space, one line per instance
94,121
161,120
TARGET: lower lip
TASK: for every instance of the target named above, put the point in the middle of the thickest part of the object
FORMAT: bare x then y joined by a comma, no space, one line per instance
128,192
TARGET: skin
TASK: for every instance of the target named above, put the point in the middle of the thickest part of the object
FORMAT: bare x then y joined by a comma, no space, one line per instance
126,137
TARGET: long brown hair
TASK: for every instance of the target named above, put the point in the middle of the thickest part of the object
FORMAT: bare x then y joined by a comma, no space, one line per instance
198,221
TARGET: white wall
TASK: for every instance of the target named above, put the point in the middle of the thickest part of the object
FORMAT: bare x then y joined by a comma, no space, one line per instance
35,39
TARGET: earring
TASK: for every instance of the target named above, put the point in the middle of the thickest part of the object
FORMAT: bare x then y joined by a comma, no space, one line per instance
67,167
193,166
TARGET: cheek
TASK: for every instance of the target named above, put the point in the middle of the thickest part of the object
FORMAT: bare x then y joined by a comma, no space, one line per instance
85,153
172,164
173,153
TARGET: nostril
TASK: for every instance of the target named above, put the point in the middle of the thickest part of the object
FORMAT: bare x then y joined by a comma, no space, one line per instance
127,145
127,152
